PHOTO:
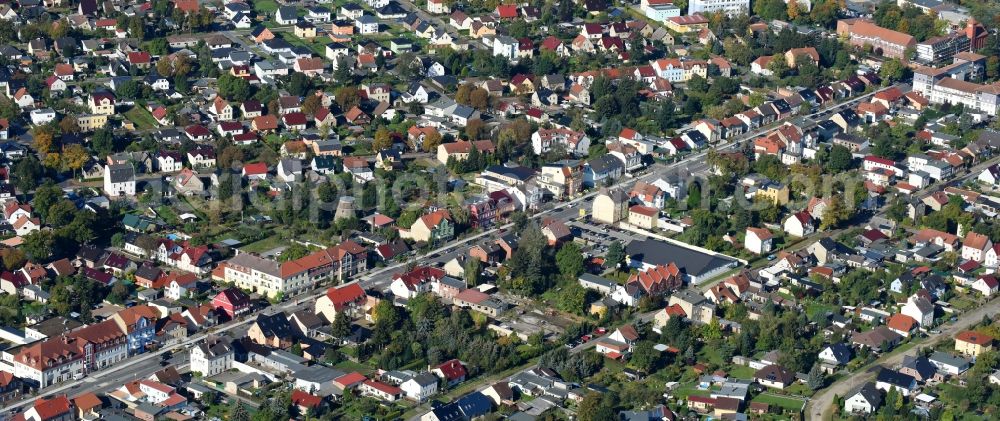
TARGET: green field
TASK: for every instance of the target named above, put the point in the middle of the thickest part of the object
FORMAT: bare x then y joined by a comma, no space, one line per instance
142,119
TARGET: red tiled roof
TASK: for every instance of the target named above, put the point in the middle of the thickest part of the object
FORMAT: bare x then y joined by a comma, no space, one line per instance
974,338
382,387
507,11
345,294
265,122
452,369
305,400
644,210
901,322
255,168
52,408
350,379
975,241
761,233
187,5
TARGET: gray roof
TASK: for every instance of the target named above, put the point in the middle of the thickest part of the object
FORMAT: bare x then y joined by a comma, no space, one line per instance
597,280
290,165
689,296
287,12
691,262
452,282
464,111
215,348
257,263
425,379
841,352
318,374
605,164
121,173
514,171
948,359
895,378
872,395
921,365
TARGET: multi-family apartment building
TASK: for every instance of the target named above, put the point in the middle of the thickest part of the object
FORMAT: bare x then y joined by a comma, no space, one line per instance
942,49
889,43
269,277
729,7
212,356
951,84
72,355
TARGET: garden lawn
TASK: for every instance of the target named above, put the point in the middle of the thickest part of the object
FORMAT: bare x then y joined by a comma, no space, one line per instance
168,215
314,44
348,365
142,119
264,245
742,372
265,6
816,308
683,392
711,355
962,303
786,402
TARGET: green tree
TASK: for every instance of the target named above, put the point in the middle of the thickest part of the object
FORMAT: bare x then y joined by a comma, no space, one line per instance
771,9
103,141
893,70
27,173
694,196
569,259
383,139
644,357
341,326
119,293
473,268
234,88
897,210
130,89
838,159
817,378
158,47
615,255
40,245
237,412
298,84
572,297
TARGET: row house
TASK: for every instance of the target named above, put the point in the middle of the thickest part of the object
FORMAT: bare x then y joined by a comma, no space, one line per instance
139,325
677,70
486,212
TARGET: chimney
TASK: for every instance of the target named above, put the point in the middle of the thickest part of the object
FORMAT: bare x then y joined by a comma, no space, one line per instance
970,29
